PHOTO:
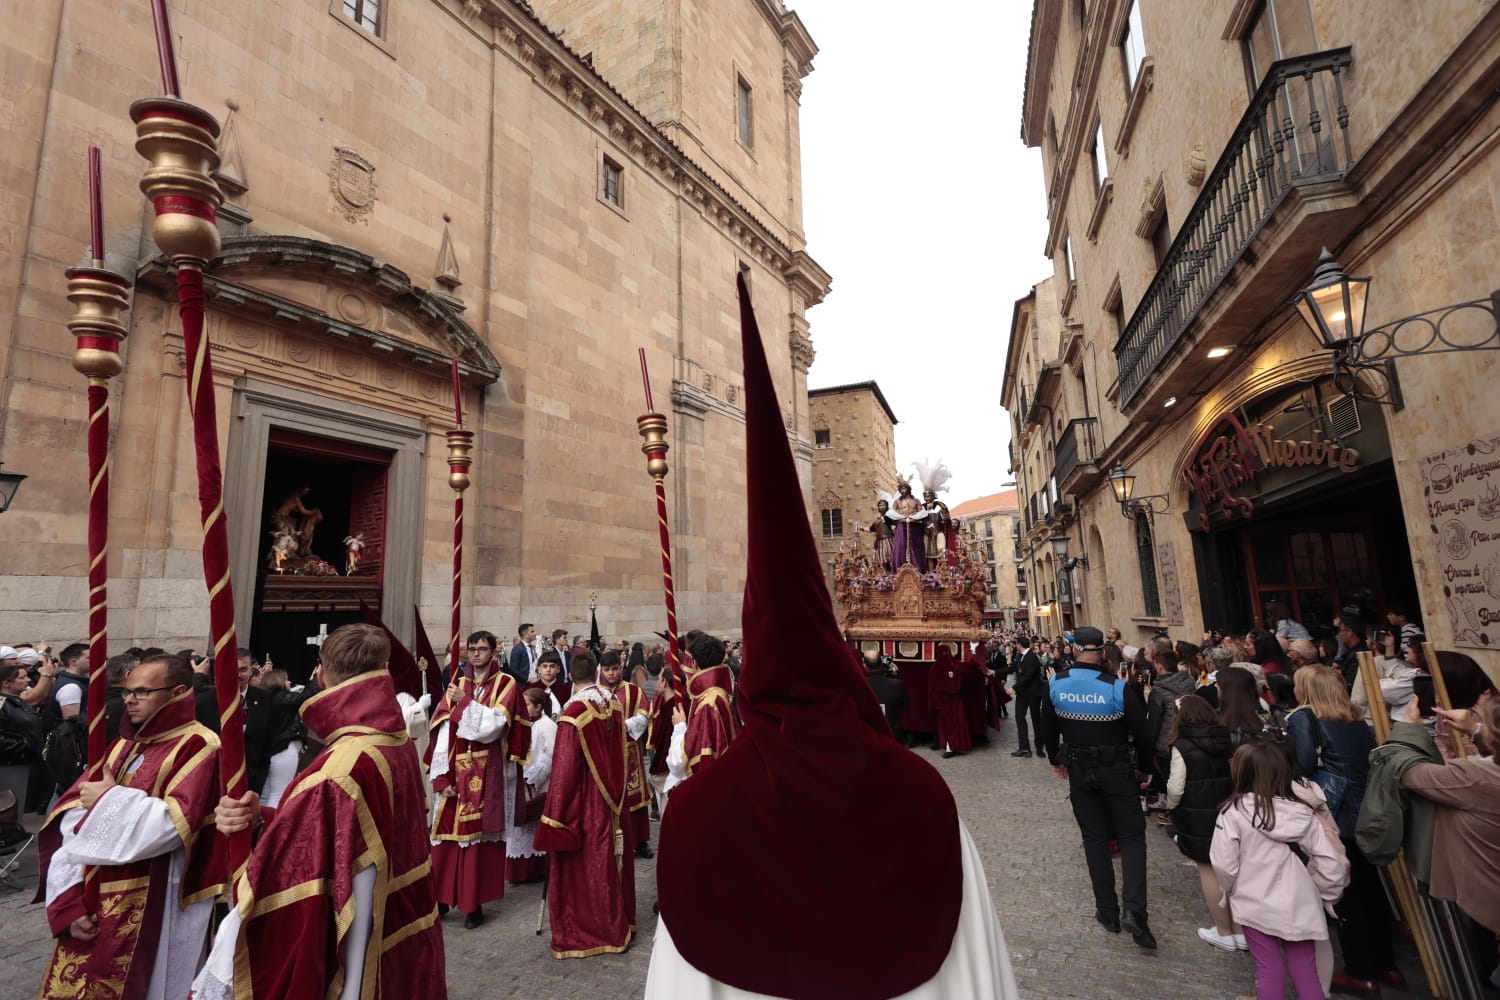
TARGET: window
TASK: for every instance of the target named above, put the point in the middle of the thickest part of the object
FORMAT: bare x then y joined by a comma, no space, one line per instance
1278,29
1133,46
1052,131
1101,165
365,13
1068,259
612,183
1145,551
833,523
822,439
742,111
1117,314
1161,239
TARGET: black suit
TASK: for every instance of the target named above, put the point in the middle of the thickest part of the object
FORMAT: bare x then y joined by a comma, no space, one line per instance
258,725
1030,687
891,694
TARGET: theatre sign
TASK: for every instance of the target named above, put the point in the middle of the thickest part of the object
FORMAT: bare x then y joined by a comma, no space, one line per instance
1276,447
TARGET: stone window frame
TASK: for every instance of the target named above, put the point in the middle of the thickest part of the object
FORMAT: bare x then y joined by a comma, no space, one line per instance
833,522
384,38
822,438
606,162
744,111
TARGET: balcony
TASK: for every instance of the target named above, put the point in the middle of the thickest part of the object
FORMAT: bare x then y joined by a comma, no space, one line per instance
1288,155
1076,457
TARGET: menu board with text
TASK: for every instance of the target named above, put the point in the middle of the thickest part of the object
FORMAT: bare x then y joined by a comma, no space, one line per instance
1461,488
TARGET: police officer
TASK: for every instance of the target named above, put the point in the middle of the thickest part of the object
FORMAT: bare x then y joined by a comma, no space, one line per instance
1101,724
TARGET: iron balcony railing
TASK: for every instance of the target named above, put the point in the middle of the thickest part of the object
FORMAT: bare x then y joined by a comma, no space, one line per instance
1295,132
1075,447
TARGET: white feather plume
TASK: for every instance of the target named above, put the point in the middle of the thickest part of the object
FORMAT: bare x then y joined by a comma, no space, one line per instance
934,475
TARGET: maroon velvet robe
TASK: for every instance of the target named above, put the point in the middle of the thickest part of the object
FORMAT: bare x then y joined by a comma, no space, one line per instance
711,725
591,888
470,876
946,693
659,729
360,802
179,764
637,789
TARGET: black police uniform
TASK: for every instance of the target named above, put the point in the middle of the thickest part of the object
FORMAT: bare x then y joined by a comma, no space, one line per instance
1097,720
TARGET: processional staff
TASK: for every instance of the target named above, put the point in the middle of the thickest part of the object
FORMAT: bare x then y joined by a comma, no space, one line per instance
180,142
653,430
100,298
460,443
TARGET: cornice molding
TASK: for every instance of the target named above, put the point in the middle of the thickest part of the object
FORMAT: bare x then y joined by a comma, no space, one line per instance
807,277
306,259
516,30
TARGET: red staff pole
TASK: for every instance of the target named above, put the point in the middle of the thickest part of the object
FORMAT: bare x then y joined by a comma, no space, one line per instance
99,299
653,430
180,141
460,442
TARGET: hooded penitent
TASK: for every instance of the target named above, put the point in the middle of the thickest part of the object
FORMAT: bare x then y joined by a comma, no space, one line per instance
773,862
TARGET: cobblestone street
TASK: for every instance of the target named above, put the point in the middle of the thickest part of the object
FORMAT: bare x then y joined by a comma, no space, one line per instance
1019,815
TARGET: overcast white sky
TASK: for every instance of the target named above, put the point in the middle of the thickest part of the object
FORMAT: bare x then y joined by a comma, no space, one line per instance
922,203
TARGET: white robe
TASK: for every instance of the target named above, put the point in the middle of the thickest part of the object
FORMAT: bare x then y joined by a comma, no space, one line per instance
977,967
521,843
127,825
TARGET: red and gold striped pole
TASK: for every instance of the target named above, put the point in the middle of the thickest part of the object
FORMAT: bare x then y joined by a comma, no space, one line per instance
460,442
653,430
100,299
180,142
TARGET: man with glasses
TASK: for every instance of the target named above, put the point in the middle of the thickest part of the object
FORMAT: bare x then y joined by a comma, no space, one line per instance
141,830
476,740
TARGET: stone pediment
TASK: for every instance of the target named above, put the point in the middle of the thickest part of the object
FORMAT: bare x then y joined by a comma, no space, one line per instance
335,292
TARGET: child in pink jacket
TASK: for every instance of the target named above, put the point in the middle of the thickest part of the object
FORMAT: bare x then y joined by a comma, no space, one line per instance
1275,894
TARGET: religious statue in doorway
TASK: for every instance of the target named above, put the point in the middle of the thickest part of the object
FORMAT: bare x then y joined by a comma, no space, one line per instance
353,545
293,524
293,518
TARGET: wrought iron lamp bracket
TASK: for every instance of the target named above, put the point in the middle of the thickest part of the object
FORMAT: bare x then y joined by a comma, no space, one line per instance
1366,368
1151,505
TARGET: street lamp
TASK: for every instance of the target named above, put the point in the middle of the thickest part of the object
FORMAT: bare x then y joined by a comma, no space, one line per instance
9,483
1333,306
1123,485
1059,545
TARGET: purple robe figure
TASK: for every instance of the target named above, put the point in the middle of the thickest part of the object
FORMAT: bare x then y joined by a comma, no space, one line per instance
909,544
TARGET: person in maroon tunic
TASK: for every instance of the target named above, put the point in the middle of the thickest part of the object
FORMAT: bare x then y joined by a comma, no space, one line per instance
946,693
591,885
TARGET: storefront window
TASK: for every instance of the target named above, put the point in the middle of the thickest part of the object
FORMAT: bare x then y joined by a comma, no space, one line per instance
1146,552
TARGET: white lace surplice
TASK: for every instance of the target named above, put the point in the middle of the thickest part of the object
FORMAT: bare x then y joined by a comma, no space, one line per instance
521,843
479,724
127,825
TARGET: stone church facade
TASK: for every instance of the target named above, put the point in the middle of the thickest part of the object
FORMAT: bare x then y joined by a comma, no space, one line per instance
538,190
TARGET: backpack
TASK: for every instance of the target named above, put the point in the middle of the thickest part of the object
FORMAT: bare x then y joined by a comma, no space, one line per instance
65,751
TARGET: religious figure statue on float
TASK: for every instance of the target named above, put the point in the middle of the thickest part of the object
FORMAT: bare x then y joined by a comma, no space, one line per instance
881,529
906,517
